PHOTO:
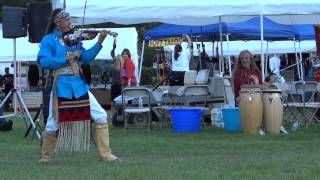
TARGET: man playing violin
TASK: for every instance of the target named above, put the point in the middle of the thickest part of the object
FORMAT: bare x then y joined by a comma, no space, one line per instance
72,105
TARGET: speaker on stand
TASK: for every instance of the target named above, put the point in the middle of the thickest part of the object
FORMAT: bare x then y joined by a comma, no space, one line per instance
14,22
14,26
38,14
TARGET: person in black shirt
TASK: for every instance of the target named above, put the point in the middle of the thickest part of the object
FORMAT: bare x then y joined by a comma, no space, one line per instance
8,85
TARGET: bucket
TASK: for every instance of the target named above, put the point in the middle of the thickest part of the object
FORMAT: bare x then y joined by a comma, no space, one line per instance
231,116
186,119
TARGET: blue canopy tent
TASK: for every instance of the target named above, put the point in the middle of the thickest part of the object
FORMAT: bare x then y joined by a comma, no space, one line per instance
247,30
304,31
250,30
172,30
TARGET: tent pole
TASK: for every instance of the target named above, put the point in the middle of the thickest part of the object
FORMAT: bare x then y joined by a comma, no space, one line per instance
296,56
221,61
267,60
213,66
198,51
14,97
229,59
261,50
141,60
301,68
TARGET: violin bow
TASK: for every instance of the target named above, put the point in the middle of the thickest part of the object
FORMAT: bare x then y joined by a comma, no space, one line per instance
82,23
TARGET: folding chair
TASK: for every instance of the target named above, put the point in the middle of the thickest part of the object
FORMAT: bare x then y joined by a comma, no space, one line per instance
290,104
163,106
135,114
309,108
228,92
288,75
195,92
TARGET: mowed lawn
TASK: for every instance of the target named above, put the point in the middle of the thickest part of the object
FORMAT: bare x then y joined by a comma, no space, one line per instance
161,154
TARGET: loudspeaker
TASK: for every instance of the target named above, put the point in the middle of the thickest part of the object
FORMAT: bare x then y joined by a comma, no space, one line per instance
38,17
13,22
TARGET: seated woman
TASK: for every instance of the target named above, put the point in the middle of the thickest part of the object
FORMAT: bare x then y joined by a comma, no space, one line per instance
246,72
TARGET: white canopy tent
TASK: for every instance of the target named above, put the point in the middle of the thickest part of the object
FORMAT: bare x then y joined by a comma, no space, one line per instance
127,38
235,47
190,12
26,51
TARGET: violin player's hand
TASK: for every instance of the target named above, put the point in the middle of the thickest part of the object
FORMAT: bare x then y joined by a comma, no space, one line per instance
102,36
92,35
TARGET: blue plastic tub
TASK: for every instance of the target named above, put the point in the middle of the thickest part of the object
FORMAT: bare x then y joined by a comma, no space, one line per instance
231,117
186,120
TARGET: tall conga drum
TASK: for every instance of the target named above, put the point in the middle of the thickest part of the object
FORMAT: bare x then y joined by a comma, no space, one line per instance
272,110
251,109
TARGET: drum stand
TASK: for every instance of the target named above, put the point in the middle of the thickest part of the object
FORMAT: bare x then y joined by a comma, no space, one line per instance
23,106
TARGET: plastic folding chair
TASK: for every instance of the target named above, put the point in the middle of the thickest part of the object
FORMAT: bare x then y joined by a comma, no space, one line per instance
309,107
135,113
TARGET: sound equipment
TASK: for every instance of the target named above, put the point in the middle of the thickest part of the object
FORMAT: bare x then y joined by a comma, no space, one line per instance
13,22
38,17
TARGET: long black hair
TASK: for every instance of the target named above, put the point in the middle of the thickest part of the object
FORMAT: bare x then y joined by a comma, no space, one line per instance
177,51
51,25
125,50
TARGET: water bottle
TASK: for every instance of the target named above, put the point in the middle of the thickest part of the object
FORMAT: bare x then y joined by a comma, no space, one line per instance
140,102
295,125
216,117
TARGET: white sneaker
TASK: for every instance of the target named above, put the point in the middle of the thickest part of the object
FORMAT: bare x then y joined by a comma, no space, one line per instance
283,130
261,132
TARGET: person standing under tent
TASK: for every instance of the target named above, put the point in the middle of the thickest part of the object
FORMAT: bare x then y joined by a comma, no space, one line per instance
33,77
162,67
114,71
72,106
274,66
8,80
180,61
127,73
245,72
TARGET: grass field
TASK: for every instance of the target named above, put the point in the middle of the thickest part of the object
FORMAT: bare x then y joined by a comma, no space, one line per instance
161,154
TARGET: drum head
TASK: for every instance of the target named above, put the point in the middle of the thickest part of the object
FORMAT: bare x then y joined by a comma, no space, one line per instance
243,90
250,88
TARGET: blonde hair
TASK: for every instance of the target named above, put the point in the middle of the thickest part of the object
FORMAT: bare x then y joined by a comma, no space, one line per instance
118,64
239,62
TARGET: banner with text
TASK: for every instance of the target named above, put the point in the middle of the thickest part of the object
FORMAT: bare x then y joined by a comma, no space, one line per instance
164,42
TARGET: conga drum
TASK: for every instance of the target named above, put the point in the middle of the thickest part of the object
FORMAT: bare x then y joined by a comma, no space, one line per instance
251,109
272,110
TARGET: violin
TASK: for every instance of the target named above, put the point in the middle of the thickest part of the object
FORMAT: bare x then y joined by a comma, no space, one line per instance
73,37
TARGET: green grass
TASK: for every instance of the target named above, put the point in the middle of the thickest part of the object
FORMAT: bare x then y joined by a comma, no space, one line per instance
161,154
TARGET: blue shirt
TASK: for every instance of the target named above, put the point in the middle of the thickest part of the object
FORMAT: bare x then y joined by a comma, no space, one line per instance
53,55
